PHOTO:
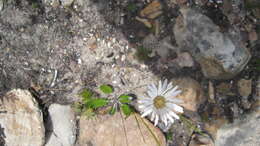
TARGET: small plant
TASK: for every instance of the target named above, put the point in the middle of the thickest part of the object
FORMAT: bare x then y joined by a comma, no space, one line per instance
89,104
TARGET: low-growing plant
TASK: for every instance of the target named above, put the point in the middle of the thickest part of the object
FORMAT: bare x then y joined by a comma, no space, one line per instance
90,104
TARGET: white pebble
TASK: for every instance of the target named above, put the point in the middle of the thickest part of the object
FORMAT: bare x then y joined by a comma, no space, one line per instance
123,58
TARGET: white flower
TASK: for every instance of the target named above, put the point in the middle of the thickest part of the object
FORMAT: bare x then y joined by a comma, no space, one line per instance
161,103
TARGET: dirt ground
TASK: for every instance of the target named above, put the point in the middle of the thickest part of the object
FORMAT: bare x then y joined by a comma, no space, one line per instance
55,51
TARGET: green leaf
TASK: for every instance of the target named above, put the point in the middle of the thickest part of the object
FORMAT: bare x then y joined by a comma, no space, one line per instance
124,98
107,89
126,109
96,103
169,136
86,95
112,110
89,113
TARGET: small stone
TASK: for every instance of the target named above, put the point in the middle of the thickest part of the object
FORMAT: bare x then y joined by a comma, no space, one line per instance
144,21
1,5
63,123
21,119
224,89
109,130
244,87
66,3
184,60
55,3
252,36
211,92
201,140
192,93
152,10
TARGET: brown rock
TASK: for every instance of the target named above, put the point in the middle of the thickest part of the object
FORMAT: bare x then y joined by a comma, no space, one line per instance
152,11
244,87
109,130
21,120
192,94
201,140
225,89
211,92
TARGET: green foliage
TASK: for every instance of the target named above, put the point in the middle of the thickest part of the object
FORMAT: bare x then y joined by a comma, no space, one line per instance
86,95
142,53
169,136
96,103
124,98
107,89
90,105
126,109
112,110
88,112
257,64
131,7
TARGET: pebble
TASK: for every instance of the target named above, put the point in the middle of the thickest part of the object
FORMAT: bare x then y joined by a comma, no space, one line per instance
1,5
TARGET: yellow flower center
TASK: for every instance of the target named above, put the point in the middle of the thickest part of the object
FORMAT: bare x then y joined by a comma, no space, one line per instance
159,102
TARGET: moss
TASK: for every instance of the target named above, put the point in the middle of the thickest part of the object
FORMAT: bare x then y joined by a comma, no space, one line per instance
142,53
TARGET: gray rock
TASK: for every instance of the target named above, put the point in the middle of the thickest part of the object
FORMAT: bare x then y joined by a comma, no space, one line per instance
221,55
241,133
64,126
1,5
21,120
66,2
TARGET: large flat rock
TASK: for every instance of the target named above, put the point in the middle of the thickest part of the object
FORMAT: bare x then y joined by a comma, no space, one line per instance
109,131
21,119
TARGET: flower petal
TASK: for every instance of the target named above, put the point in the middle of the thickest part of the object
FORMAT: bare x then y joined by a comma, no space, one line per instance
153,116
173,100
164,86
164,119
170,118
159,88
169,87
177,108
172,93
174,115
147,112
156,120
151,93
151,87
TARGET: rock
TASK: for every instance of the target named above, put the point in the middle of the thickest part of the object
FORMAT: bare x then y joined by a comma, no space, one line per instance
211,92
220,55
152,11
244,132
1,5
21,120
109,130
66,3
64,126
192,93
201,140
256,104
180,134
184,60
223,89
244,87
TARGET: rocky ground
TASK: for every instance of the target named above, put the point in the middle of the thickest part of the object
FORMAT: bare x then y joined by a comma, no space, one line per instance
50,50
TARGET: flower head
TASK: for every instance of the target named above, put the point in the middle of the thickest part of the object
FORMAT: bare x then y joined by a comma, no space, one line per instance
161,103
